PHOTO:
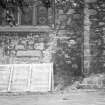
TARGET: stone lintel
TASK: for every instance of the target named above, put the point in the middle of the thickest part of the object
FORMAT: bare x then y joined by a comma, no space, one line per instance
29,53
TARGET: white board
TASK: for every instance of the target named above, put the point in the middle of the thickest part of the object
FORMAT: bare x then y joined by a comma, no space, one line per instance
26,77
20,77
41,77
4,77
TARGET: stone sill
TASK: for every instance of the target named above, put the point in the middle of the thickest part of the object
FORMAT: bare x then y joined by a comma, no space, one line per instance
25,28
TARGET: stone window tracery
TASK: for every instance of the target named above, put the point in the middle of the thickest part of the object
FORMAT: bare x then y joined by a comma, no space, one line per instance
35,14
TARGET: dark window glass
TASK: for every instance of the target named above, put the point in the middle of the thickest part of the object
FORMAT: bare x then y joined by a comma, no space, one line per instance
42,15
16,16
27,16
3,18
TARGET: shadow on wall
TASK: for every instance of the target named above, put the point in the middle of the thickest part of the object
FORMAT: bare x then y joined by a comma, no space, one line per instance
65,74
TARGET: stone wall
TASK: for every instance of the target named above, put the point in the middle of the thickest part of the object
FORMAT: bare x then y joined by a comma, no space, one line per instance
62,45
76,43
69,53
97,42
24,47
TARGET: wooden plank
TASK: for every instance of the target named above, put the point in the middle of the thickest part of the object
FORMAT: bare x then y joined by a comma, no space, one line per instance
50,77
29,78
29,53
10,78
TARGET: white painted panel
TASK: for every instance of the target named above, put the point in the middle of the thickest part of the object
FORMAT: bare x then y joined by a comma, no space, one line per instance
20,77
26,77
40,77
4,77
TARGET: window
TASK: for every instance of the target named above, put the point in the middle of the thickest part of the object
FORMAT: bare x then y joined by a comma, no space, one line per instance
27,17
32,16
42,15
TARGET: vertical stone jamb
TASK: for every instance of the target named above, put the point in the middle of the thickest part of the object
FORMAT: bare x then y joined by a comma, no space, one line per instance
87,56
34,15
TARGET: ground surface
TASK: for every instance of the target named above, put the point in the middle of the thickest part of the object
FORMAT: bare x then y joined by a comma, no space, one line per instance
69,98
